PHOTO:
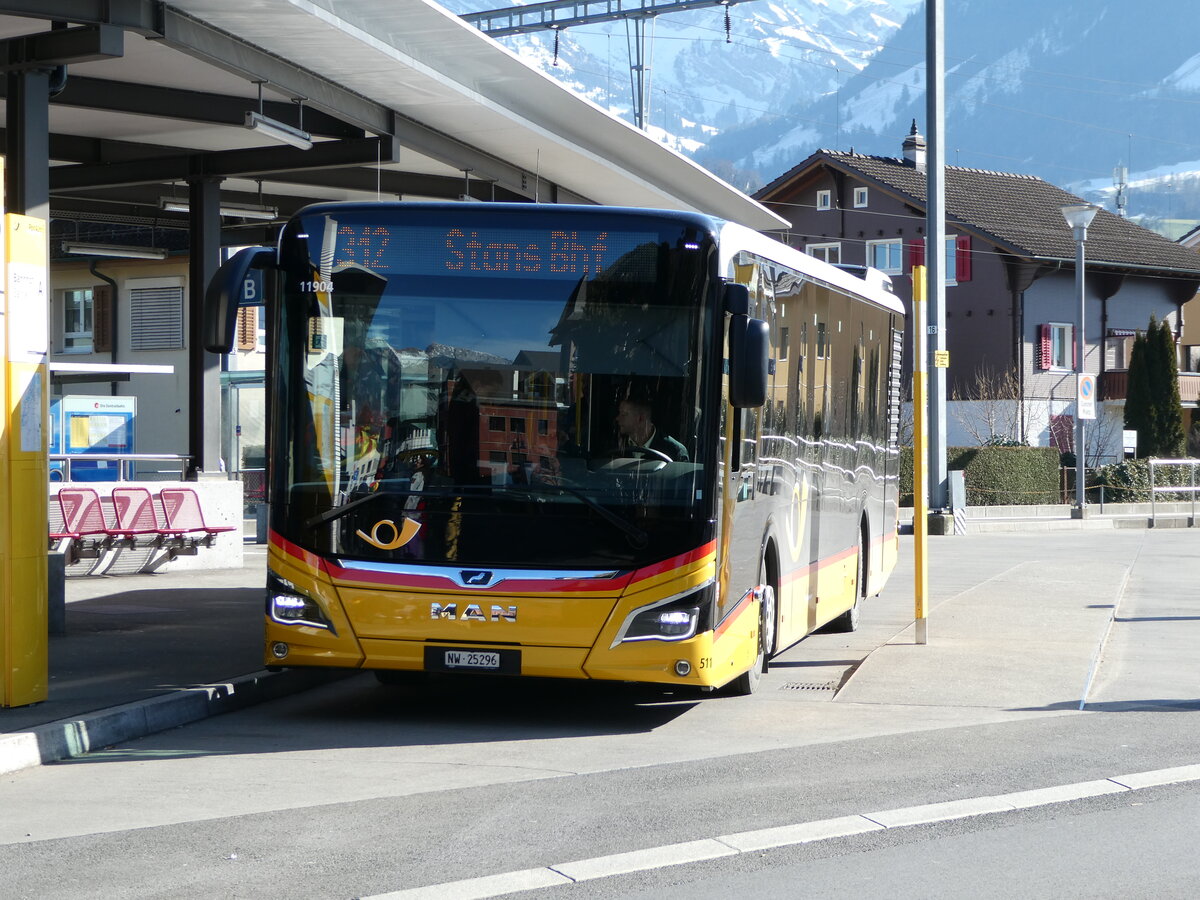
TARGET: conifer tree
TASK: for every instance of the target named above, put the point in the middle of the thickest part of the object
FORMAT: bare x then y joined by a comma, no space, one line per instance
1139,405
1164,382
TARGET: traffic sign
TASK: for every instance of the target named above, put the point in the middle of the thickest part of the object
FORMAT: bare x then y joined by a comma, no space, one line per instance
1087,396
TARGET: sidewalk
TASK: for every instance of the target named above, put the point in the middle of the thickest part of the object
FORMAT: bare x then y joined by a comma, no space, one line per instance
1027,620
143,653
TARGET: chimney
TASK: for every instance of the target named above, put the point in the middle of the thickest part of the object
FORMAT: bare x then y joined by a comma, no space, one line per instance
914,149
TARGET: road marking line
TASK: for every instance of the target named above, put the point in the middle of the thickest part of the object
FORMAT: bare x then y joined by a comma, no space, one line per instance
783,836
1161,776
804,833
480,888
939,812
641,860
1062,793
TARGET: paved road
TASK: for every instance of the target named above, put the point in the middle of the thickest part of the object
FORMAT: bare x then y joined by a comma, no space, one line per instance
353,790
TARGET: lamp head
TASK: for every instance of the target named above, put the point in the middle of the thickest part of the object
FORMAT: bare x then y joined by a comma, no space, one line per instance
1079,216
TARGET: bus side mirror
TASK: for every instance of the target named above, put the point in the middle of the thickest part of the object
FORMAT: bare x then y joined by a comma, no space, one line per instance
224,294
748,354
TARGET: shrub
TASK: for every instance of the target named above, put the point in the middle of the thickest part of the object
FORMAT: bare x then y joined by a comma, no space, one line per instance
996,475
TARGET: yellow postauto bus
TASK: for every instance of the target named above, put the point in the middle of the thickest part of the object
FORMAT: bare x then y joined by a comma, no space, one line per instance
566,441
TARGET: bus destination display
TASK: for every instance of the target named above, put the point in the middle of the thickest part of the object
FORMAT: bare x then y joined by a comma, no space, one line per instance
494,252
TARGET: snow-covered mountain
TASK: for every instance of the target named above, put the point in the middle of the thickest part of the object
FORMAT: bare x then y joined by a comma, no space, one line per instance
1067,90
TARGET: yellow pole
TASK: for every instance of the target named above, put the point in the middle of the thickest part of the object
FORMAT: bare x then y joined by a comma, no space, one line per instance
24,466
920,462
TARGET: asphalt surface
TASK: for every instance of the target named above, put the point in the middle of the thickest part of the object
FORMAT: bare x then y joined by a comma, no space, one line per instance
1106,624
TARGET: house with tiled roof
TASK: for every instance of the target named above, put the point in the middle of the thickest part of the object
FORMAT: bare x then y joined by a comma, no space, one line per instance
1011,301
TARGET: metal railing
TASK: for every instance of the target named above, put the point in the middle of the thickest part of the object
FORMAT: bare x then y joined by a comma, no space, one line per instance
126,464
1189,488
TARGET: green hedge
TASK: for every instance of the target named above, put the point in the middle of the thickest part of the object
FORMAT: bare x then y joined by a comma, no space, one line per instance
997,476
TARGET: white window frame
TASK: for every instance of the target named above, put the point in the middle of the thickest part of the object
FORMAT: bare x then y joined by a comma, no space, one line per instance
80,340
950,273
1061,344
824,200
823,251
860,197
891,243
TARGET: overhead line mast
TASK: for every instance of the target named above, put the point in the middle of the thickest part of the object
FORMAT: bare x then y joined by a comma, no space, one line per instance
557,15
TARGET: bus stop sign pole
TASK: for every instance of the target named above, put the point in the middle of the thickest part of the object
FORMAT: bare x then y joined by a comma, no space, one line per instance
24,468
920,460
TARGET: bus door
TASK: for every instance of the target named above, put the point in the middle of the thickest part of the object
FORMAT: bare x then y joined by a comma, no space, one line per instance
745,494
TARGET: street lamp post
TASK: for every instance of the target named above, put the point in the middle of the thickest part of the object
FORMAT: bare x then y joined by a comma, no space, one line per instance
1079,217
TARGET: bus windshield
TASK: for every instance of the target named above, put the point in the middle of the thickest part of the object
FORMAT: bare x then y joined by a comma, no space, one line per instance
505,391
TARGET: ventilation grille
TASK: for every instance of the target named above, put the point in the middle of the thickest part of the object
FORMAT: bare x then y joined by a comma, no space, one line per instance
156,318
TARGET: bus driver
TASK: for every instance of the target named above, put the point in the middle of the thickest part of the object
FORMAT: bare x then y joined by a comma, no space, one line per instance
637,433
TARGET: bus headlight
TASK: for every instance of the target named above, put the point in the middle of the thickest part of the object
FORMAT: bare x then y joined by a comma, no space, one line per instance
674,619
673,624
287,606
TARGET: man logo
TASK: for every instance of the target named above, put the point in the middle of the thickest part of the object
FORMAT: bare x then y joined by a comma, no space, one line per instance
475,578
472,613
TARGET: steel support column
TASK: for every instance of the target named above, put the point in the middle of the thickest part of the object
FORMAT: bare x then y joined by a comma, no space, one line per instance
27,143
204,368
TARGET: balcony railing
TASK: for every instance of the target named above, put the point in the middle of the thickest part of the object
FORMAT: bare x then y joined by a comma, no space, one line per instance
1114,385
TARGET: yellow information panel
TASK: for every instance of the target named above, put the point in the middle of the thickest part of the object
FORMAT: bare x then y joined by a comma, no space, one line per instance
24,470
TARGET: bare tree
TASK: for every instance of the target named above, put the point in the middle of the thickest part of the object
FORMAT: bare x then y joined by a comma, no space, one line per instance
993,412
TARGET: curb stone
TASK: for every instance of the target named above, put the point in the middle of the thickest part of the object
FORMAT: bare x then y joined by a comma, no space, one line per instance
79,735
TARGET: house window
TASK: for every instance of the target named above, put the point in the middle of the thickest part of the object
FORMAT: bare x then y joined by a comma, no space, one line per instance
495,423
1116,351
156,318
1057,346
831,253
860,197
517,426
783,343
543,426
887,256
824,200
951,276
821,341
77,321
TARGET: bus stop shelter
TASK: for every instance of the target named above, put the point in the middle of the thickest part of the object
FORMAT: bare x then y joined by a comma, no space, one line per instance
221,117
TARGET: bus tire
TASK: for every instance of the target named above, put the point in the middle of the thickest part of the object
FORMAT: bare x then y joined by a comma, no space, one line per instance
748,682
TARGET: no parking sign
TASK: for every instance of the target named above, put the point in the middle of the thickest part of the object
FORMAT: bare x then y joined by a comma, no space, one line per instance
1087,396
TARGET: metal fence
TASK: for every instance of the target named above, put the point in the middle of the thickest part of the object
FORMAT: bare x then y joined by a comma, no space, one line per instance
1168,465
129,466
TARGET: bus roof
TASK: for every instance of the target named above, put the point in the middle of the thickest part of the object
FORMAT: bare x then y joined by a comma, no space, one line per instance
735,238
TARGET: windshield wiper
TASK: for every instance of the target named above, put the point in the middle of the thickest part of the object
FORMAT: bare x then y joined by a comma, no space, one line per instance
639,537
338,511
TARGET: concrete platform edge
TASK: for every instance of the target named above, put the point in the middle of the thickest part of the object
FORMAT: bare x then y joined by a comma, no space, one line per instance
69,738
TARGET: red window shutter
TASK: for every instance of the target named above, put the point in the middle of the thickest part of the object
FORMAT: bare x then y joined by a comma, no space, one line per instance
1044,347
962,257
916,253
102,318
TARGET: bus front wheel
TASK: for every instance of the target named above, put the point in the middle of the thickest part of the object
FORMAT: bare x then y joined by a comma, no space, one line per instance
749,681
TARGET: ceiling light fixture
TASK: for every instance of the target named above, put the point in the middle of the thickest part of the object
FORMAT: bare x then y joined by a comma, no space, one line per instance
233,210
120,251
276,130
279,131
